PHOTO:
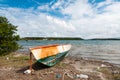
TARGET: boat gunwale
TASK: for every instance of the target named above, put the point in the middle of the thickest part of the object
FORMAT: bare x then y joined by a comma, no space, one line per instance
52,45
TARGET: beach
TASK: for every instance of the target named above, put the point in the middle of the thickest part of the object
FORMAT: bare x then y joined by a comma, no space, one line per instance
12,67
86,60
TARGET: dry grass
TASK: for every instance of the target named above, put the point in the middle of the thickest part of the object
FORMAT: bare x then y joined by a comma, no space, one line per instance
13,61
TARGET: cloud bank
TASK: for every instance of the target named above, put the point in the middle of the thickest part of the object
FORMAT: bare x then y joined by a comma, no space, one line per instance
67,18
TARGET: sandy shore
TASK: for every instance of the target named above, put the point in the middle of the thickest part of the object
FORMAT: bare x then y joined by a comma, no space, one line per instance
12,67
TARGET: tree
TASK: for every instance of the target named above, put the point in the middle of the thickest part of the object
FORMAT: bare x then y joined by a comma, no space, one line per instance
8,37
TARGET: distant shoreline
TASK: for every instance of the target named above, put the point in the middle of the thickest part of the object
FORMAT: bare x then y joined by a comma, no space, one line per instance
105,39
65,38
50,38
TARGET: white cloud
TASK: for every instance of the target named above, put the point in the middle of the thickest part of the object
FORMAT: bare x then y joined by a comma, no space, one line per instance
85,20
60,4
94,25
44,7
78,9
61,23
37,24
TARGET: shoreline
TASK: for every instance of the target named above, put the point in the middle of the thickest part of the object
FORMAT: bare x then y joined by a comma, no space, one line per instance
71,68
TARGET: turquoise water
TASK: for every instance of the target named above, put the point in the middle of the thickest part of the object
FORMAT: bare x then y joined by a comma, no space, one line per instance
105,50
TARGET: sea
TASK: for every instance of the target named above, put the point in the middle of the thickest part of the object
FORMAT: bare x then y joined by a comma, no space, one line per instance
104,50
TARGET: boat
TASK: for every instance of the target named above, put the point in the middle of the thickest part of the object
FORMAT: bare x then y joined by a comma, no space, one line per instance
49,55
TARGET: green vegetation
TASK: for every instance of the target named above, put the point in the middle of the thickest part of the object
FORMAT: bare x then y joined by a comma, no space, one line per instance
8,37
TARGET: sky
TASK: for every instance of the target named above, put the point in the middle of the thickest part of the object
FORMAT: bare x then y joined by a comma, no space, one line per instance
64,18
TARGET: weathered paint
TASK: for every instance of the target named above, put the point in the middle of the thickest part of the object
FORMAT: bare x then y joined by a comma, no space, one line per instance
51,54
41,52
52,60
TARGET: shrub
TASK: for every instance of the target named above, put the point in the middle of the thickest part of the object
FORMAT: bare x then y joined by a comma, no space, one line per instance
8,37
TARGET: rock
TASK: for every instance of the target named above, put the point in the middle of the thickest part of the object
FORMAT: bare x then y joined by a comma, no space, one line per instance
58,75
27,71
7,58
98,68
103,65
115,72
82,76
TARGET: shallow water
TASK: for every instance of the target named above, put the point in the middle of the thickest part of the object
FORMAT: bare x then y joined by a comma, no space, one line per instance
105,50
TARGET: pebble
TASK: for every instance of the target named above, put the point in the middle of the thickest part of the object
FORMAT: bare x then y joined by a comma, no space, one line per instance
103,65
58,75
82,76
27,71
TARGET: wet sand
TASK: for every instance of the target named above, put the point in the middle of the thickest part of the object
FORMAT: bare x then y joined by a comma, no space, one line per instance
71,68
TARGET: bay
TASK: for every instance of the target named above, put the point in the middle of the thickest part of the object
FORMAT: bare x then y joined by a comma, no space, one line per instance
104,50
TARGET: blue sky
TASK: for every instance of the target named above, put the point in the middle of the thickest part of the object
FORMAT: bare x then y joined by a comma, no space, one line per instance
64,18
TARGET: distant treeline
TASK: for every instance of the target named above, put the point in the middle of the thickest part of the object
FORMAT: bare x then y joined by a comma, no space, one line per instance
50,38
105,39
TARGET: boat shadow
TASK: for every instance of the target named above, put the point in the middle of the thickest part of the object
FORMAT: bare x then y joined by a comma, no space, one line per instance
36,66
